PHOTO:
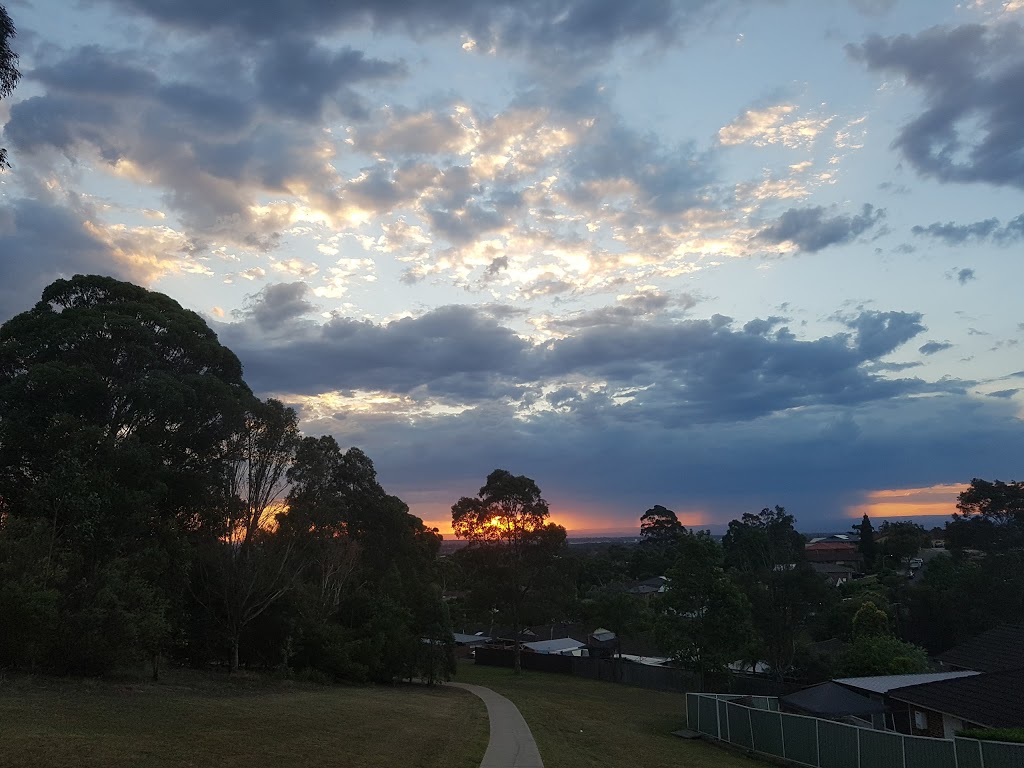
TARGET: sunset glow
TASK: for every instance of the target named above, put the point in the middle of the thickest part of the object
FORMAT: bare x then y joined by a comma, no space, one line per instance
909,502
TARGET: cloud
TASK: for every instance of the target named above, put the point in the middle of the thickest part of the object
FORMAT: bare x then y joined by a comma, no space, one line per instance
811,229
931,347
567,28
959,234
970,76
965,275
633,359
777,124
278,306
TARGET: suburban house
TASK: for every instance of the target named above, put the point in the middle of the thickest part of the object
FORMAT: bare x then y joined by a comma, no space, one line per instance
878,688
834,551
648,587
940,709
564,646
833,573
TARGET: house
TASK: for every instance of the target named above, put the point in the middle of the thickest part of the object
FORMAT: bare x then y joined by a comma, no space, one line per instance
996,650
940,709
831,701
877,688
834,574
835,552
563,646
649,587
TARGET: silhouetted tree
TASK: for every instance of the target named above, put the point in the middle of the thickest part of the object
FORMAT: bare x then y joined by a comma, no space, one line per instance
116,406
9,74
991,515
507,520
866,547
705,617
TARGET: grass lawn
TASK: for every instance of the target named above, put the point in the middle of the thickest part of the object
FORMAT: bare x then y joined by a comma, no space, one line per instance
580,723
200,720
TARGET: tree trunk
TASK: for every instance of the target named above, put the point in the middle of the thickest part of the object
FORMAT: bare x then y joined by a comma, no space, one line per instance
154,659
234,653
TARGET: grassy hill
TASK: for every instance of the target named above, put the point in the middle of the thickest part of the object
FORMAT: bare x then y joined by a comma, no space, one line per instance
210,720
581,723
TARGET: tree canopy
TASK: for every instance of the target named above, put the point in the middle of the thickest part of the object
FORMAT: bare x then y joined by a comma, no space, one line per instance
9,74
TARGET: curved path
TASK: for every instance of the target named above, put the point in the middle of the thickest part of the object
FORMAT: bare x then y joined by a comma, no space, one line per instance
511,744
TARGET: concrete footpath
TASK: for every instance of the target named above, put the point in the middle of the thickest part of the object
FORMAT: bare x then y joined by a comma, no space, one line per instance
511,744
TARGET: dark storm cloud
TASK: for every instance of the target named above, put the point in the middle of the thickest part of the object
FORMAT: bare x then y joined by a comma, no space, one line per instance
456,351
931,347
971,77
41,241
567,27
812,229
815,461
958,234
692,371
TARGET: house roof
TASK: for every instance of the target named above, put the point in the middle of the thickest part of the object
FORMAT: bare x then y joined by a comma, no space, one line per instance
831,700
558,645
845,546
998,649
463,639
994,700
886,683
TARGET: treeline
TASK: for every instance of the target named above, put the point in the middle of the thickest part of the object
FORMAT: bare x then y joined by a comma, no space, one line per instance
753,598
152,508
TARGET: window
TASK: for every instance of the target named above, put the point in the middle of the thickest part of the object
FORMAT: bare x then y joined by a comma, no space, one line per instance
920,721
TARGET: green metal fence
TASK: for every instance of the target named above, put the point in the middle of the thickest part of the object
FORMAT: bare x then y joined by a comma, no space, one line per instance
757,725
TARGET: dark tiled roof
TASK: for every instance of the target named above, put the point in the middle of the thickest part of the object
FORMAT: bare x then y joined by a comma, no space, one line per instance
830,700
998,649
994,700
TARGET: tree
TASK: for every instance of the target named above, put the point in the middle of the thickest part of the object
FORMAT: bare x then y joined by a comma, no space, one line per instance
660,526
765,553
245,565
866,531
705,619
9,74
995,510
368,594
902,540
507,520
882,655
761,542
116,407
870,621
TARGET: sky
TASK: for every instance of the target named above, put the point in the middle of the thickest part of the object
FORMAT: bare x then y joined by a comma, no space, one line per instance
710,254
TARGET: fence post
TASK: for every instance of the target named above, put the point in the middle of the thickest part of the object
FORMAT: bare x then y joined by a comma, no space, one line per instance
782,733
718,718
698,712
750,725
817,744
858,749
903,742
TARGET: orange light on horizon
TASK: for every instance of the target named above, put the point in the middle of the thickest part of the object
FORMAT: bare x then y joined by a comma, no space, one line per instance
935,500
